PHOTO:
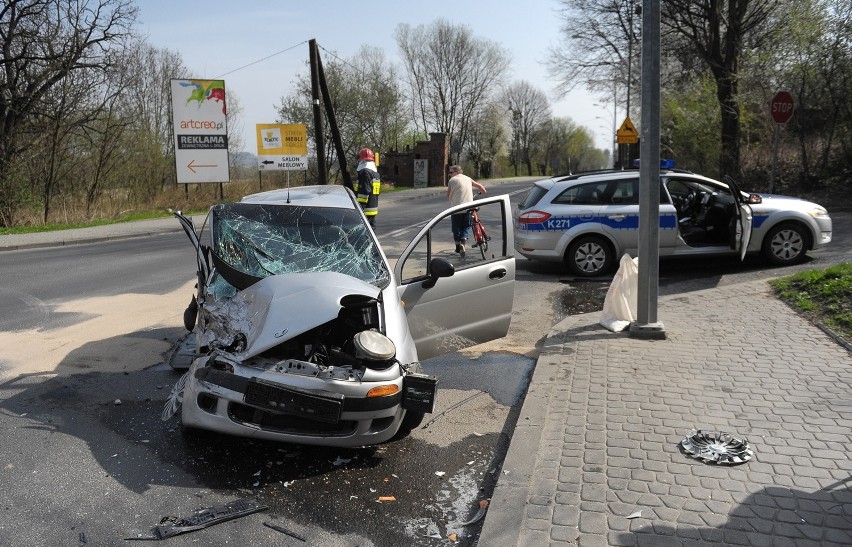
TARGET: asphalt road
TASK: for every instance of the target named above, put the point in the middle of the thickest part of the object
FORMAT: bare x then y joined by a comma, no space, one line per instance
85,459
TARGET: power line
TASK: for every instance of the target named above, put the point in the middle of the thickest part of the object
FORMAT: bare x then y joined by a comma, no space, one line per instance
261,60
344,61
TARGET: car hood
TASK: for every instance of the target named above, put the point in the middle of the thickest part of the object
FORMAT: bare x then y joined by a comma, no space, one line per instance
777,201
775,197
279,307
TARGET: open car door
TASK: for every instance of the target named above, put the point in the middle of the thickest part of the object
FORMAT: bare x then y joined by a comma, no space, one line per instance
200,258
744,223
455,300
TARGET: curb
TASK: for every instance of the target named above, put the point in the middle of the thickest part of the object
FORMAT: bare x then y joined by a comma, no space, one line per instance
62,238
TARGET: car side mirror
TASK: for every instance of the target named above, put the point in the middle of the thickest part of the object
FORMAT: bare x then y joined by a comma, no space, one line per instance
438,267
754,198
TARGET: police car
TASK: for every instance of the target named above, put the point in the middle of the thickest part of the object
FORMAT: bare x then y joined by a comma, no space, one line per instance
589,220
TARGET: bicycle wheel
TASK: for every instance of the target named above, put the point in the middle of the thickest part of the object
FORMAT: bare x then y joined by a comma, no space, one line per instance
483,247
481,238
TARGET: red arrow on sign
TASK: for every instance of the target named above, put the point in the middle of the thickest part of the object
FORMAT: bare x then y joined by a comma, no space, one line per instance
781,107
191,164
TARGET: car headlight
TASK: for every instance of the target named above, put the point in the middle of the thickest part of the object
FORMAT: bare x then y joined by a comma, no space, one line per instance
818,212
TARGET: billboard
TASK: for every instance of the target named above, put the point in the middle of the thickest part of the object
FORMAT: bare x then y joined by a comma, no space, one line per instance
282,147
200,130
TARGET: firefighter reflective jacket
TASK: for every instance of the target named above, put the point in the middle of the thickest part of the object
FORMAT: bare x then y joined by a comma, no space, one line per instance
369,186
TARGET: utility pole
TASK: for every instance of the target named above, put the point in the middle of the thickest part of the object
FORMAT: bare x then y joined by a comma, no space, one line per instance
315,97
614,121
646,325
630,11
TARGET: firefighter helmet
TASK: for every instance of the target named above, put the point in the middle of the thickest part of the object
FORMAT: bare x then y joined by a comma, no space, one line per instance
365,155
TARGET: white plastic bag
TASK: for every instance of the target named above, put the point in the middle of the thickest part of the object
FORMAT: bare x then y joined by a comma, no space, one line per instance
619,308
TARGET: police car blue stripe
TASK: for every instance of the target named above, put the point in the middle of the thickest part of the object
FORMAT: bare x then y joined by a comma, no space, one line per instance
629,222
758,220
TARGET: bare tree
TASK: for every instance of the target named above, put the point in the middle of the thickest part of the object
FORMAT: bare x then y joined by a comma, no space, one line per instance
42,41
718,32
380,119
551,151
367,101
151,71
600,47
451,74
487,139
562,146
818,70
63,114
529,110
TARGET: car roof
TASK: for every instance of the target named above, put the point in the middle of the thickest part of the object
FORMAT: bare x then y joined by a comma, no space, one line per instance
604,174
328,195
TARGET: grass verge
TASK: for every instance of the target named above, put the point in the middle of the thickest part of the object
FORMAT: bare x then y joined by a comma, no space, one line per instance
823,296
98,222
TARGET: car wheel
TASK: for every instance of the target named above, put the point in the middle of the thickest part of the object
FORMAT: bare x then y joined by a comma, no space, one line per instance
411,420
193,433
786,244
589,256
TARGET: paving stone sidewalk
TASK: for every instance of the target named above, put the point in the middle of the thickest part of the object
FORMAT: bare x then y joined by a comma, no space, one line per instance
597,438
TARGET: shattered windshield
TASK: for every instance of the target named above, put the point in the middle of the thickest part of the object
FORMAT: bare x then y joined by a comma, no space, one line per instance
263,240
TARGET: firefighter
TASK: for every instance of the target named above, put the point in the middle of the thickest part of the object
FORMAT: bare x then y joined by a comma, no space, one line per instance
369,185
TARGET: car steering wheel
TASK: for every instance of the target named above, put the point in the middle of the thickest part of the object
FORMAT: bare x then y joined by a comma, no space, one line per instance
694,207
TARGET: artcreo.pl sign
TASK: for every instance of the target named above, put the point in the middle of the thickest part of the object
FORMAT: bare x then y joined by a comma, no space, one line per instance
199,115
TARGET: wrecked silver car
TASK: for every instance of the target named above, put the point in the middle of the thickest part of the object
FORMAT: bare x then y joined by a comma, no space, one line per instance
305,334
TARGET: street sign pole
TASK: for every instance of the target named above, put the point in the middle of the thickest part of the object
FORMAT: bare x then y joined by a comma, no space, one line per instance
781,108
646,325
775,140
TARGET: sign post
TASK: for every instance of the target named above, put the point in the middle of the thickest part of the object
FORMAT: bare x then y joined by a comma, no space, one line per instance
627,134
781,108
199,115
282,147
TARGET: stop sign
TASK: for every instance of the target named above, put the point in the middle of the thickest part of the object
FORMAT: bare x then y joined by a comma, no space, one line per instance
781,107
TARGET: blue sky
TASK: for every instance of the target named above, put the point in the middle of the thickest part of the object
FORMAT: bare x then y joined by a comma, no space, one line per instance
216,38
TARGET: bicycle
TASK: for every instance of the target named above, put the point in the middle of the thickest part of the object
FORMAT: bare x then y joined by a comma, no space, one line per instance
480,236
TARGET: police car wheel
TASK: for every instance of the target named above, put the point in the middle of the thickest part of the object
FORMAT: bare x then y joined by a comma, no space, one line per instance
786,243
589,256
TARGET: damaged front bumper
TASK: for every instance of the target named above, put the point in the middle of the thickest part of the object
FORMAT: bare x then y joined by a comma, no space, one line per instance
266,404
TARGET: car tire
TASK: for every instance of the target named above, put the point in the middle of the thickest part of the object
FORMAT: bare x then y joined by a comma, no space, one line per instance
411,420
785,244
589,256
195,434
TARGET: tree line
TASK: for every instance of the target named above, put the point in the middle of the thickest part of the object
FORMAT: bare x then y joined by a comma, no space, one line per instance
722,62
85,121
449,82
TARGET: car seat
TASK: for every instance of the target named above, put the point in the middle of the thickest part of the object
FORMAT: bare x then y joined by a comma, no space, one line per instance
588,196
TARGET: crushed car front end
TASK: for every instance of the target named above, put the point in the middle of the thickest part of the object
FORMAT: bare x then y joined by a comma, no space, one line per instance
301,358
291,402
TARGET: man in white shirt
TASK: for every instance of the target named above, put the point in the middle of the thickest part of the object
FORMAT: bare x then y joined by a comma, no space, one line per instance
460,190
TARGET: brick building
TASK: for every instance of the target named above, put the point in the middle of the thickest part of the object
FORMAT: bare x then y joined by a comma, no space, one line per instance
425,165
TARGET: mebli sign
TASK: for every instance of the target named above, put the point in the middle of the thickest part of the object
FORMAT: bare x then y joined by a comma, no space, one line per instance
282,147
199,114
